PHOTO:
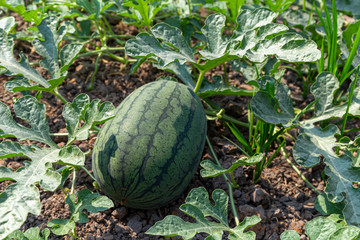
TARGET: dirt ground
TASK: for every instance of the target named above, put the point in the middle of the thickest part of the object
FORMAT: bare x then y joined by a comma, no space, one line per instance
281,198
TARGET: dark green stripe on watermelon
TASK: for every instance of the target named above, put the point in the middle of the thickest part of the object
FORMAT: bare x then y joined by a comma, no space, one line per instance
146,156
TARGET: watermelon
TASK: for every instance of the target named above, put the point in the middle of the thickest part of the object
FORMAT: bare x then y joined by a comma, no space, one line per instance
146,156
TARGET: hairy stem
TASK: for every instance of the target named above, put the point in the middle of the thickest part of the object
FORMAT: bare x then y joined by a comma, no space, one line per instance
227,118
56,93
232,203
199,81
104,49
87,171
73,182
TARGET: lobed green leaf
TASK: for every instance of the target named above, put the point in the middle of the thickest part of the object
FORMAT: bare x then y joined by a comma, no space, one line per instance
91,113
212,170
30,110
219,87
198,206
314,142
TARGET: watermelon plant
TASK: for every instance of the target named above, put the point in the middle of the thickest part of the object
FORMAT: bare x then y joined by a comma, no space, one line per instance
149,148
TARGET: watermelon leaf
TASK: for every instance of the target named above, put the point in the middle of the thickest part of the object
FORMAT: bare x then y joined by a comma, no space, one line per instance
20,8
91,113
256,38
219,87
325,207
61,226
94,8
265,104
30,234
213,31
23,197
14,67
283,47
198,206
30,110
212,170
47,45
175,48
325,81
290,235
325,228
86,200
142,12
315,142
7,23
83,200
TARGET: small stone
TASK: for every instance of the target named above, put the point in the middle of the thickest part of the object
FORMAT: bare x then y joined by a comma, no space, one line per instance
260,196
108,236
294,206
299,196
274,236
118,229
135,223
307,215
122,212
284,199
90,237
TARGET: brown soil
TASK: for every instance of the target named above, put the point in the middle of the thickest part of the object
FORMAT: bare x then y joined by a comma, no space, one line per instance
281,198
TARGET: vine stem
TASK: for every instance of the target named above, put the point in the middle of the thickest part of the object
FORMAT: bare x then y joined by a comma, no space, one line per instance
92,81
87,171
227,118
104,49
286,156
199,81
66,134
73,182
56,93
232,203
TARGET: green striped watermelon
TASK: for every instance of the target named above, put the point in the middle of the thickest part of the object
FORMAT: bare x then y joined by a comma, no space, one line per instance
147,154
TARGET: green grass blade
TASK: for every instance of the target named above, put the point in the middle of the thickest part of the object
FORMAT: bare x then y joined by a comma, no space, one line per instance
240,137
353,53
350,100
334,39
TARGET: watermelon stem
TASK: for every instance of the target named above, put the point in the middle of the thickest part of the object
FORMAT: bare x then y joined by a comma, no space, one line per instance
87,171
73,181
232,203
200,80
